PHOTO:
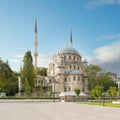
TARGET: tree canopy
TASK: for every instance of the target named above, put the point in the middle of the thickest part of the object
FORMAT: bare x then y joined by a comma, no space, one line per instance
42,71
99,77
77,91
28,73
8,79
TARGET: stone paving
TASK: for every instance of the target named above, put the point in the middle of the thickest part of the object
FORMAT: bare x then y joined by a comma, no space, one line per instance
56,111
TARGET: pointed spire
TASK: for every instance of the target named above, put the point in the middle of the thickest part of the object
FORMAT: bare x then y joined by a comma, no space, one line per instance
35,25
71,38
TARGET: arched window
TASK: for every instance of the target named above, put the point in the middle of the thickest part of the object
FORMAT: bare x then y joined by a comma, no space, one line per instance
65,89
65,57
74,78
69,89
50,81
70,67
65,79
69,57
69,78
74,57
83,89
83,82
74,67
78,78
41,81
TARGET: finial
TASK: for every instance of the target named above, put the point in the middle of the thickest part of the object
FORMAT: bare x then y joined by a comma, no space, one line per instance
71,38
35,25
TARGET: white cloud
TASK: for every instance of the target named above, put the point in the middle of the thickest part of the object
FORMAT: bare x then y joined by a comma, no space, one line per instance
109,37
108,53
96,3
107,56
17,61
14,61
19,56
43,60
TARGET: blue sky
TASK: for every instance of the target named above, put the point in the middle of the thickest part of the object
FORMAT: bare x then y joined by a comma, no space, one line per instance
95,26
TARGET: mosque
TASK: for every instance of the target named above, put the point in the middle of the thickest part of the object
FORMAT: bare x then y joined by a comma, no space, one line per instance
65,72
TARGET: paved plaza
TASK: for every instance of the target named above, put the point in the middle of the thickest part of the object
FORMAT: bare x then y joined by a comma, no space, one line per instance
55,111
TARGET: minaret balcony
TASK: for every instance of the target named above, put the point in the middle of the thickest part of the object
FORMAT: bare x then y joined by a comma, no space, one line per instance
36,54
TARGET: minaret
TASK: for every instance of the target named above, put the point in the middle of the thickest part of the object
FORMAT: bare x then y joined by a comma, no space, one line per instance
71,38
35,45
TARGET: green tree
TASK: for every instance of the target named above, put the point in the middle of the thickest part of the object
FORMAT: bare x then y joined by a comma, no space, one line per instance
93,72
98,77
28,73
97,92
41,89
42,71
109,83
8,79
118,94
112,91
27,88
77,91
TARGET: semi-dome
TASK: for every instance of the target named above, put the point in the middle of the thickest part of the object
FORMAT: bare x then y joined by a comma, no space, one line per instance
74,72
69,50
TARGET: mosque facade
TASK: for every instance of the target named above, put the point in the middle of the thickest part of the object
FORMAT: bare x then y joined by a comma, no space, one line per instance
65,72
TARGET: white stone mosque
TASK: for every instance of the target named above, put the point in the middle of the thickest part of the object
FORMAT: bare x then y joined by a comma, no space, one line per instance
66,71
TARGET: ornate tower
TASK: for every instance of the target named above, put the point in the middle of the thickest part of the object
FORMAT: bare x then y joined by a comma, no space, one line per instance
35,45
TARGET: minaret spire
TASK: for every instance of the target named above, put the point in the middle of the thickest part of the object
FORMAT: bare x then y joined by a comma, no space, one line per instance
71,42
35,25
35,45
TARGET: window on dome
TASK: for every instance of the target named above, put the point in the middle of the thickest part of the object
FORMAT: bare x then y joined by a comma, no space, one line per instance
77,58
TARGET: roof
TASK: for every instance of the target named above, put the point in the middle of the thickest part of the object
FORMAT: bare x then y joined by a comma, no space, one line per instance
62,94
74,72
67,94
69,50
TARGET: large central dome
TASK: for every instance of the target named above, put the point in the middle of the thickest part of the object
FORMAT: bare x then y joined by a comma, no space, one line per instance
69,50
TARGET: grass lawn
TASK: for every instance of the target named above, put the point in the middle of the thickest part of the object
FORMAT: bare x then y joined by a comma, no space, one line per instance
107,104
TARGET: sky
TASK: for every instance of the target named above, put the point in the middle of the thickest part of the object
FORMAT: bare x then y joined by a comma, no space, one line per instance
95,26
